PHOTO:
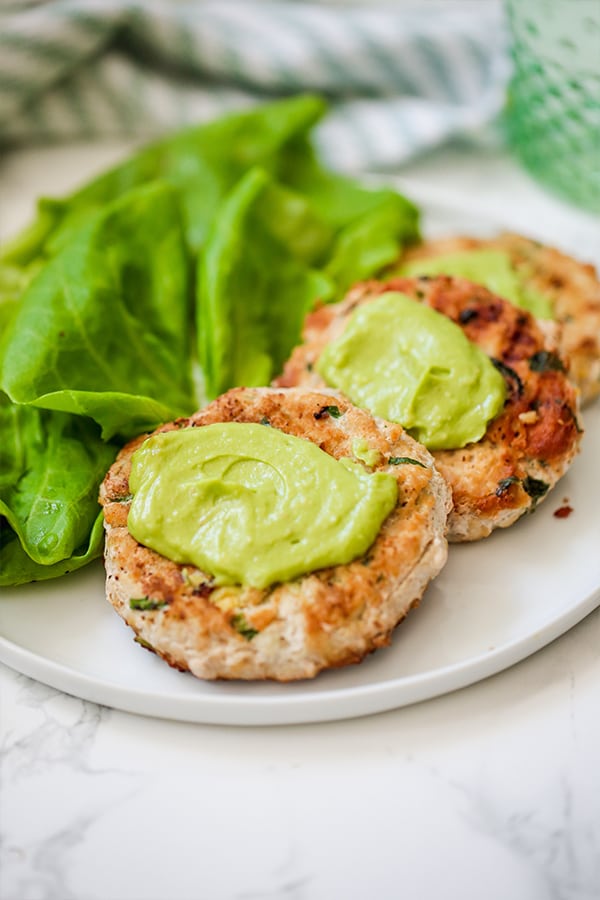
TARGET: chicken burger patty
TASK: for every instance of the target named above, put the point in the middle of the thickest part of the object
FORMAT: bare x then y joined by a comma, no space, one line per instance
526,448
571,287
291,629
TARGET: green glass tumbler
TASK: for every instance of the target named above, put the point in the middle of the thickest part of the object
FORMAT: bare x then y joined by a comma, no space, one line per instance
553,105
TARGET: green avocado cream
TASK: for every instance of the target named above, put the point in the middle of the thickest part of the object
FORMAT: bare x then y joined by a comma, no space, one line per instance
252,505
407,363
491,268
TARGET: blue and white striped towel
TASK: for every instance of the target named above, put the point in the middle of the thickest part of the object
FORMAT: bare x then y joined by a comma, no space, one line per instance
401,78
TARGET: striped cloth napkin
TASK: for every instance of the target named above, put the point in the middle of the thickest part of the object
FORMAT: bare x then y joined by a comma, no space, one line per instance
401,78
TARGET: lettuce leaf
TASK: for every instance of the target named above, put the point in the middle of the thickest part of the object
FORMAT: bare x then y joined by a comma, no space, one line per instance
371,225
370,242
339,199
51,466
201,163
16,567
253,291
104,329
12,284
293,221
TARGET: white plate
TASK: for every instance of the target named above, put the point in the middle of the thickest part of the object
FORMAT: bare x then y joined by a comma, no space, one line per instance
495,603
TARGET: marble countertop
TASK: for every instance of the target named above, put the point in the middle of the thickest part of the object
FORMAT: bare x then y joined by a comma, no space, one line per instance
492,791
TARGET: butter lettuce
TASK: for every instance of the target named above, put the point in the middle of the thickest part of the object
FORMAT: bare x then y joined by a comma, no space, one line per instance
294,222
253,292
51,464
370,242
201,163
12,284
338,198
17,567
104,329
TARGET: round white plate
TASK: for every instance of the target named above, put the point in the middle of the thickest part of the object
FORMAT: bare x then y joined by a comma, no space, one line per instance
495,603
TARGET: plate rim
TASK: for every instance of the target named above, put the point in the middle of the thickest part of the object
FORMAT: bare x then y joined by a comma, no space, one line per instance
351,702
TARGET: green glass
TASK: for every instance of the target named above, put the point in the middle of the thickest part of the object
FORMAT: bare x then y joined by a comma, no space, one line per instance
553,108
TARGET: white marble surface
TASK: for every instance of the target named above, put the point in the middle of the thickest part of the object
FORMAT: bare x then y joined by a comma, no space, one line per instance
490,792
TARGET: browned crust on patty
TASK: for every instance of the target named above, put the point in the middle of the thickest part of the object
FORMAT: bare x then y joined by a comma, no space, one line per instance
572,287
534,439
328,618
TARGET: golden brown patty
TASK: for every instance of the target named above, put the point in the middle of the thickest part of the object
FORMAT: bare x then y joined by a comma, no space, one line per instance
292,630
525,449
571,287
